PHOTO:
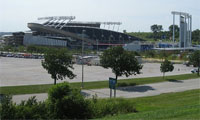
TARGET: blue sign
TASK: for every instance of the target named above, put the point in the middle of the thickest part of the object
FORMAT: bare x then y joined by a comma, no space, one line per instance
112,83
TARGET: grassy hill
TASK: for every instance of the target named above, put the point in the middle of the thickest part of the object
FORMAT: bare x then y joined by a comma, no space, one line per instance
171,106
148,36
143,35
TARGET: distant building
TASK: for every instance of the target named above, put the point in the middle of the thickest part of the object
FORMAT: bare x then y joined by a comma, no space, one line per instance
165,45
138,46
15,39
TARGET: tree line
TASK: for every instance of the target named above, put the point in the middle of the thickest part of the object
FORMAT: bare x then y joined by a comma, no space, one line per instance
158,33
59,63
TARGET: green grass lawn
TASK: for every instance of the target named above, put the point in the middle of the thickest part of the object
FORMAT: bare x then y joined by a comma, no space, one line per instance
170,106
29,89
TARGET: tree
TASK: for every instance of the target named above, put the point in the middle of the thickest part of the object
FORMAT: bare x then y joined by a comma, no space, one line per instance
121,62
124,31
195,60
150,54
196,36
58,63
163,55
155,29
166,66
31,48
176,30
21,48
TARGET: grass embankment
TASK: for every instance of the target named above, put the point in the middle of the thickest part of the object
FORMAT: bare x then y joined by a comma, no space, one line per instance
143,35
148,36
170,106
30,89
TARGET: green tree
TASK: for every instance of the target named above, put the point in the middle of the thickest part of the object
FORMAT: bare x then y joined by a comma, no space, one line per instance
21,48
196,36
163,55
166,66
156,29
8,48
150,54
176,30
195,60
121,62
32,48
124,31
58,63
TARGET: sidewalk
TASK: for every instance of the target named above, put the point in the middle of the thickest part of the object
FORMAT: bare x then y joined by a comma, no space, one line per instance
131,91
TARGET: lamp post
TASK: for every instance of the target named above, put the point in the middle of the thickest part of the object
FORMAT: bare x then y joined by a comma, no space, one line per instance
83,32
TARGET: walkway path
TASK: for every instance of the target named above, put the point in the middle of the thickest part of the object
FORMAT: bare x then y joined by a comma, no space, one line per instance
131,91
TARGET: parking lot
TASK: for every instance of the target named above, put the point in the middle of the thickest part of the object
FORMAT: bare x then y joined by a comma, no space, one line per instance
20,71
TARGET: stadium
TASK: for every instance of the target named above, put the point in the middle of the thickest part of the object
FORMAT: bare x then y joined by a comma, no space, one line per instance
64,31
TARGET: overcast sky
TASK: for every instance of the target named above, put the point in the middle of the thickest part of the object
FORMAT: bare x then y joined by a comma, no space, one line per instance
135,15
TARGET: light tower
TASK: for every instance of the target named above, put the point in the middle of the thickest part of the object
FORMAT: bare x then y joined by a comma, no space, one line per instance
185,35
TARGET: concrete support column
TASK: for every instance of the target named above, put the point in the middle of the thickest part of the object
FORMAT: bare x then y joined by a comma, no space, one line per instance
190,30
173,29
180,34
185,32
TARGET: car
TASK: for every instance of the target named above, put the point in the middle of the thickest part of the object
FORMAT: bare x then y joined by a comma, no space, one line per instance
194,70
9,55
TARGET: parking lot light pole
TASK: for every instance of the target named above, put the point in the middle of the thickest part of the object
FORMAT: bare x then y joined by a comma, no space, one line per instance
83,32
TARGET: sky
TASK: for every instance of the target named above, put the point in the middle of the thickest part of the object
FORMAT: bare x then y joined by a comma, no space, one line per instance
135,15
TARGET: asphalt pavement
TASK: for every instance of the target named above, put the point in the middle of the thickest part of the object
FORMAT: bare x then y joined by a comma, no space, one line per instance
19,71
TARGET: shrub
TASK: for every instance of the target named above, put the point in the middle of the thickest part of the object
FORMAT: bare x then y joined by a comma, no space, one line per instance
67,103
58,91
31,109
103,107
7,108
150,54
64,102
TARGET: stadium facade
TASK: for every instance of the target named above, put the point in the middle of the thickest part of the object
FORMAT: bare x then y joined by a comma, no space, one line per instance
64,31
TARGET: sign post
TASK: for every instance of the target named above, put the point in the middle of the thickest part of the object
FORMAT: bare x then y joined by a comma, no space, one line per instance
112,85
110,93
